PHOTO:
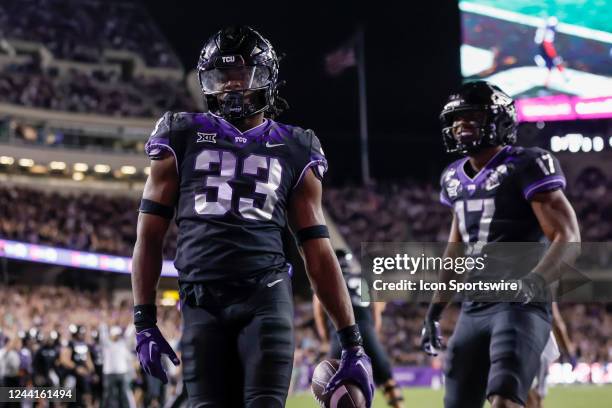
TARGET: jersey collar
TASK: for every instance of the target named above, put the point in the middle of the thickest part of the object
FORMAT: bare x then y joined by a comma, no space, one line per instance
482,172
252,132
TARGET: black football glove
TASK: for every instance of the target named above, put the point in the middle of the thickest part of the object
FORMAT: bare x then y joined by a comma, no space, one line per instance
532,286
431,335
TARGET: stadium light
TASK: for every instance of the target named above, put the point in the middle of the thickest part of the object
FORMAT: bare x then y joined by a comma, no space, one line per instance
610,141
129,170
78,176
587,144
80,167
598,143
38,169
556,144
102,168
574,141
26,162
57,165
147,170
9,160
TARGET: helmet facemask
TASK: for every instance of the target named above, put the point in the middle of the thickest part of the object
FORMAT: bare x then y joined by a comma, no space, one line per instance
477,119
489,107
237,91
493,128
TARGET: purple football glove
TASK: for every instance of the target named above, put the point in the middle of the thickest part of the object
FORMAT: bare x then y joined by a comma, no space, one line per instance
355,367
150,345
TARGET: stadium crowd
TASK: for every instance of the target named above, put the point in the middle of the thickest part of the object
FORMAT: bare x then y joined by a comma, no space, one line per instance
101,223
391,211
55,334
82,30
86,221
100,92
371,213
52,335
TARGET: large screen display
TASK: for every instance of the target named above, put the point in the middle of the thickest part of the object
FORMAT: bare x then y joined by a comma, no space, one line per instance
553,56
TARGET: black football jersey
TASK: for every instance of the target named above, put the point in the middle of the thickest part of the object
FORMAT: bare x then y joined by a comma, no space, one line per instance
234,191
493,206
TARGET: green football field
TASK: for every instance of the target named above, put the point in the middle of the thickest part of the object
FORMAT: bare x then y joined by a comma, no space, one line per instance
574,396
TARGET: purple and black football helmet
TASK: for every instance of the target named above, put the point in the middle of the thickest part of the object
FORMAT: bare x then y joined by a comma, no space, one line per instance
499,125
238,73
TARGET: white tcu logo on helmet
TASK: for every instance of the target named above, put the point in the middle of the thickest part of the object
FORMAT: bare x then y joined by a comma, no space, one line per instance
229,58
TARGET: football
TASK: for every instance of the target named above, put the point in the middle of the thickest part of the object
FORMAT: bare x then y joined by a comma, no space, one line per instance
348,395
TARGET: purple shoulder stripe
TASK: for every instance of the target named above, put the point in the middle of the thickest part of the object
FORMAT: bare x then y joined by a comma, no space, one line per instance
545,184
319,162
154,152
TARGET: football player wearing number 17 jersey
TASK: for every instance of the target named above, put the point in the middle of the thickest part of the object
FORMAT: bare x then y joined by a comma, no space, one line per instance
235,177
498,193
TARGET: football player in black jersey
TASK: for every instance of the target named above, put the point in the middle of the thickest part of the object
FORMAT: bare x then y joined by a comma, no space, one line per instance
368,316
498,193
235,177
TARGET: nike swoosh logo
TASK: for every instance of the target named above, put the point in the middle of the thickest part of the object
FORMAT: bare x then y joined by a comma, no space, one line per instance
274,145
138,312
274,283
151,348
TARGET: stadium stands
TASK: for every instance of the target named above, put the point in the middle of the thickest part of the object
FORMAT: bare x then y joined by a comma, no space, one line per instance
99,91
380,212
82,30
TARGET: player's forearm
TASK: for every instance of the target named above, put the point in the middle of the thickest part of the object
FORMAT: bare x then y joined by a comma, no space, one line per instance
146,269
147,259
560,225
560,256
327,282
319,318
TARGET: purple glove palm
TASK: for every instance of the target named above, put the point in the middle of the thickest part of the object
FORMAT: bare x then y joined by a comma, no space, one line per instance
150,345
355,366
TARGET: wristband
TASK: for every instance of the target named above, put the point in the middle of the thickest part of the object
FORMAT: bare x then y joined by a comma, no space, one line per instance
350,337
145,317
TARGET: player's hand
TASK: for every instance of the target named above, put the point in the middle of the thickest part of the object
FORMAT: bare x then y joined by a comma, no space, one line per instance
150,345
431,337
531,287
355,366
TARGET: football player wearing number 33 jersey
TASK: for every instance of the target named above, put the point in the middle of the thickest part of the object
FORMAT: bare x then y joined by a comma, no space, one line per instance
498,193
232,178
